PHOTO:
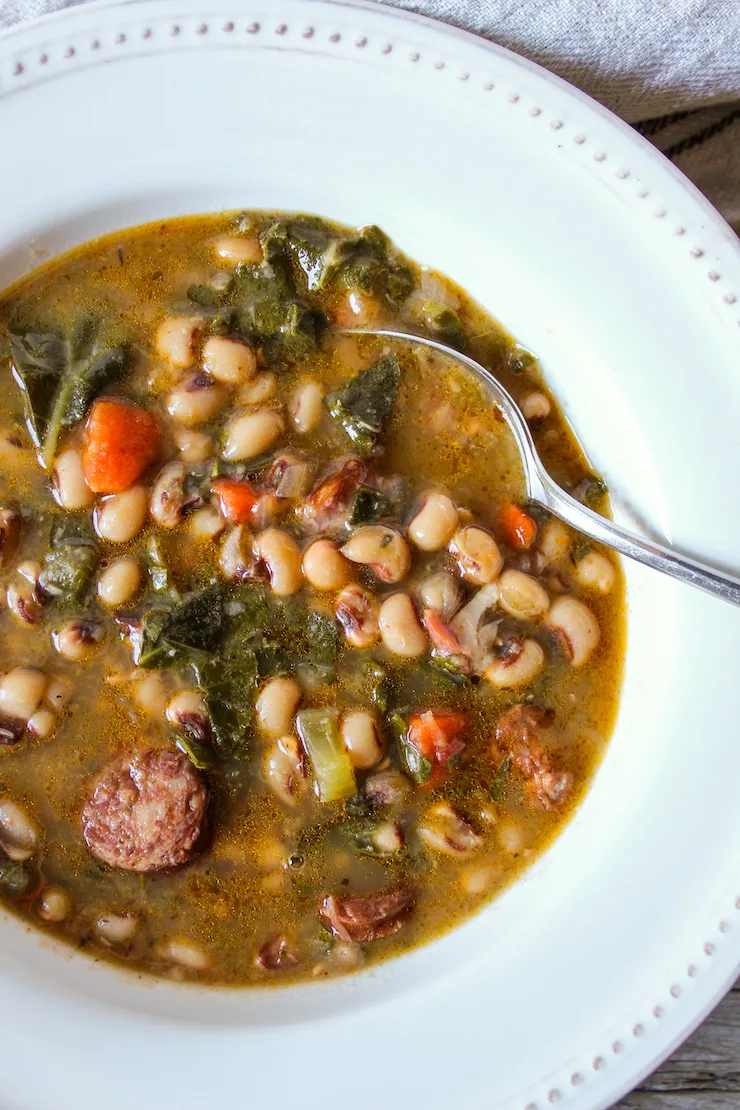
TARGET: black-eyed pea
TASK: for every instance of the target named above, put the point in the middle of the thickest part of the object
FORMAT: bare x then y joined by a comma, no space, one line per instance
400,627
276,705
78,640
477,555
357,611
360,736
236,559
522,596
43,723
150,693
206,524
176,338
193,446
237,251
230,361
251,434
443,830
22,596
554,541
197,400
435,523
325,567
54,904
595,572
477,880
119,582
512,837
518,666
284,770
380,548
71,491
535,406
282,556
116,928
21,692
258,391
20,835
576,628
120,517
184,953
440,592
307,406
187,710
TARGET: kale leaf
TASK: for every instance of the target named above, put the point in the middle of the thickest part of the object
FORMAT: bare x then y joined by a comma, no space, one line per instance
71,561
362,406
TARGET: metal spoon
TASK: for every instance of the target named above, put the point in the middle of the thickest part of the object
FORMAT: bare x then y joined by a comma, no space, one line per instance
542,490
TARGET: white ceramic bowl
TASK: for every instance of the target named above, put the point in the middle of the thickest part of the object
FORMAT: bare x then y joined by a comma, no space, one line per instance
596,253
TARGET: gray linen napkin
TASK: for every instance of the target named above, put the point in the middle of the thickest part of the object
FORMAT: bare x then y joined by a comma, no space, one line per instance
670,67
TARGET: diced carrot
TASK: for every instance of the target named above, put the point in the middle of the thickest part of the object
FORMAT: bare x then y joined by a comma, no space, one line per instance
236,499
517,527
121,441
437,734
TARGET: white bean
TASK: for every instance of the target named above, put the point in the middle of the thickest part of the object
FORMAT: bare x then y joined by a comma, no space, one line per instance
258,391
238,251
521,595
120,517
307,406
19,834
400,627
535,406
116,928
382,549
477,555
283,769
197,401
43,723
236,557
230,361
188,707
576,627
444,830
435,523
554,541
282,557
325,567
442,593
21,691
119,582
206,524
276,704
175,339
595,572
150,693
356,310
251,434
193,446
54,905
58,692
477,880
517,668
22,596
71,490
360,737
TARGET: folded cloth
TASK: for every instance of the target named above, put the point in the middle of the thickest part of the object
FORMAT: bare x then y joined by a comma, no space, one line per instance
670,67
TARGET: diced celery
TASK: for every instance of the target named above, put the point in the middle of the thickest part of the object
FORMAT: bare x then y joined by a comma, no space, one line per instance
319,731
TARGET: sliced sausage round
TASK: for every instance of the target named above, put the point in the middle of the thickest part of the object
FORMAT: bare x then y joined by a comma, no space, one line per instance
146,811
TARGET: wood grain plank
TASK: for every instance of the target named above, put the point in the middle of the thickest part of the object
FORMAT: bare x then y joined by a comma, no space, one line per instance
704,1073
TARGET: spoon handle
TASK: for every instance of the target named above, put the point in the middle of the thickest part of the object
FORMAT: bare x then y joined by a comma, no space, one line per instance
606,532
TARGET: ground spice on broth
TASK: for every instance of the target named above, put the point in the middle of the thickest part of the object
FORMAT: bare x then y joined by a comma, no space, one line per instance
261,896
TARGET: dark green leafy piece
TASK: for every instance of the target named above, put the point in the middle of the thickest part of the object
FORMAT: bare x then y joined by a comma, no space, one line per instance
199,754
60,378
367,262
363,405
379,681
205,296
167,636
591,490
284,636
149,650
499,779
17,880
416,765
369,505
228,683
520,359
70,562
160,576
443,325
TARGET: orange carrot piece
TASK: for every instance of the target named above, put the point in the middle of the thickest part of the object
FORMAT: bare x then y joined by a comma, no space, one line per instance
236,500
437,734
121,441
517,527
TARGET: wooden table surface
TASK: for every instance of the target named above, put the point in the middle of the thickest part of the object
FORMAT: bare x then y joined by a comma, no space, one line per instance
704,1074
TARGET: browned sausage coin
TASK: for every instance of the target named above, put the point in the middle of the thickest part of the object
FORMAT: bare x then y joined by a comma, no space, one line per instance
146,811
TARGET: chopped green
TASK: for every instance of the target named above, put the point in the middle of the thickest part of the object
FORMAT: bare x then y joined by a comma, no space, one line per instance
199,754
416,765
369,505
499,779
60,378
17,880
319,732
443,324
591,490
363,405
228,683
367,262
160,576
520,359
70,562
167,635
